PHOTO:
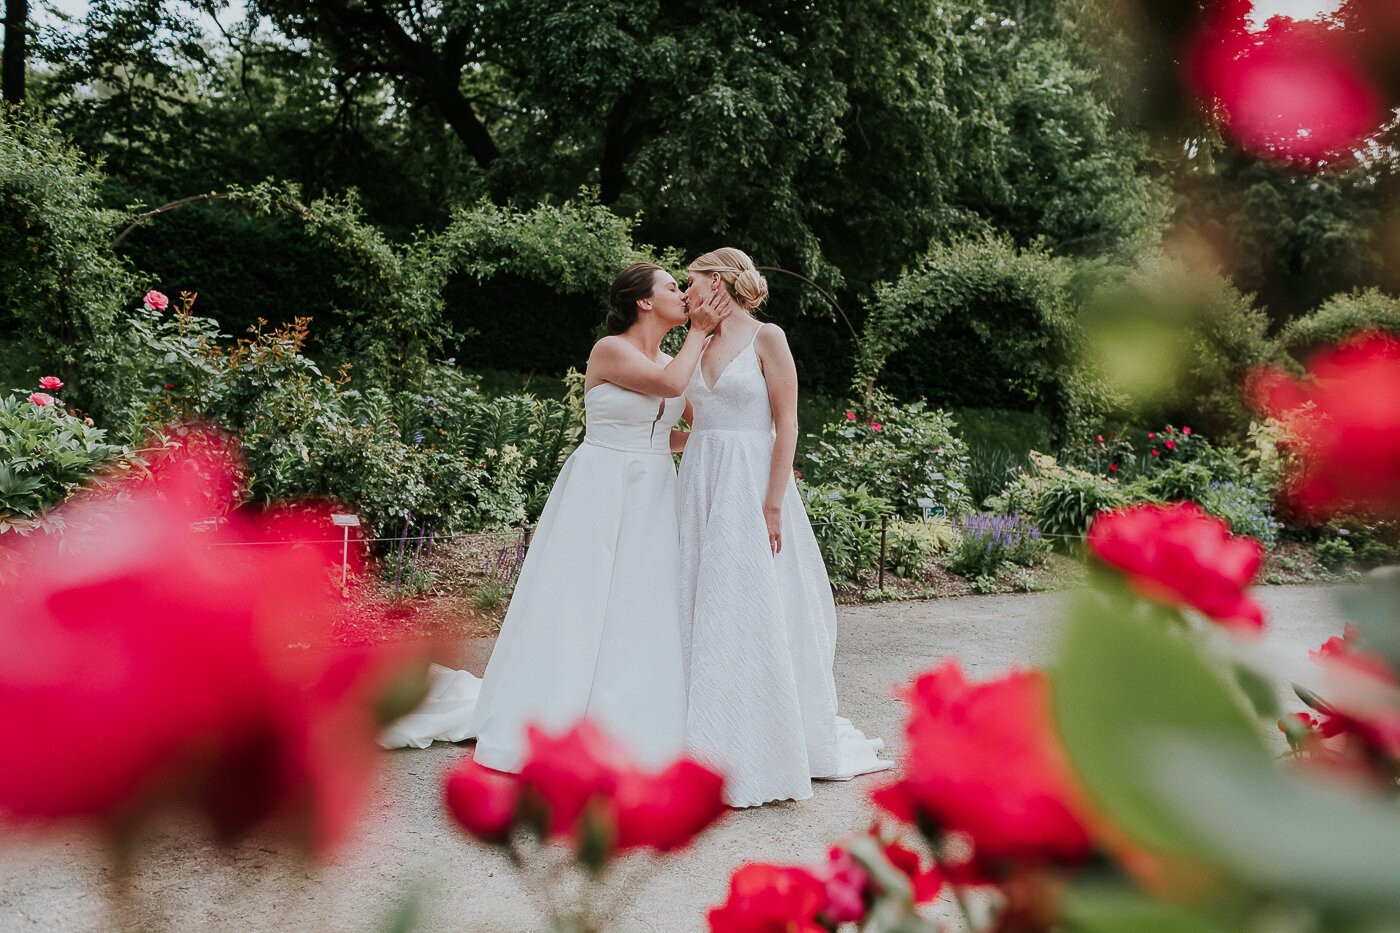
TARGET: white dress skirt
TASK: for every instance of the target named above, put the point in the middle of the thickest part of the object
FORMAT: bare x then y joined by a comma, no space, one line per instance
593,627
759,629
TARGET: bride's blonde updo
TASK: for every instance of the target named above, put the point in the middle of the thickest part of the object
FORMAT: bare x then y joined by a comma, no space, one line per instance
746,284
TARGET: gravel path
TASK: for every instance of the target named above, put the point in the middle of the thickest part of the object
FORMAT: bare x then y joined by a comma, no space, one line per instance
409,856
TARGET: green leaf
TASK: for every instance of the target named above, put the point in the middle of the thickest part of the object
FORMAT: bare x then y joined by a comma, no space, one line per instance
1277,832
1104,909
1120,679
1259,691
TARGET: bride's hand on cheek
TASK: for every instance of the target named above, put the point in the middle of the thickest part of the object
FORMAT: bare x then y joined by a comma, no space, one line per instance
773,518
706,316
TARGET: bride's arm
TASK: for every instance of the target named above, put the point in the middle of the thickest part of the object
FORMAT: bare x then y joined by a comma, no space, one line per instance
678,438
780,372
615,360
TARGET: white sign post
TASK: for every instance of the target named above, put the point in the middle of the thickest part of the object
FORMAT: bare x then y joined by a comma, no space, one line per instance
347,522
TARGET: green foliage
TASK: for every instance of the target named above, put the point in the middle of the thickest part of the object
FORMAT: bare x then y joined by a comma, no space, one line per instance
1248,511
1176,342
980,322
911,544
987,542
45,454
905,453
61,293
1334,553
847,526
1178,482
1338,318
1067,504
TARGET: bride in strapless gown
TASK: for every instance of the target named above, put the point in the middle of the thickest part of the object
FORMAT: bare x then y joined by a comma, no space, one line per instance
593,627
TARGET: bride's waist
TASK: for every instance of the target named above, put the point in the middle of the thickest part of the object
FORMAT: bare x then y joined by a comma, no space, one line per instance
764,433
630,445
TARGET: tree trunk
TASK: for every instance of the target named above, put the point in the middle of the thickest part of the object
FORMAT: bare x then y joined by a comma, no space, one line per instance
13,65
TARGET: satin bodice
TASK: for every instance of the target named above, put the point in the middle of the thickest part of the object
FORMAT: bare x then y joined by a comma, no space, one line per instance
738,401
625,420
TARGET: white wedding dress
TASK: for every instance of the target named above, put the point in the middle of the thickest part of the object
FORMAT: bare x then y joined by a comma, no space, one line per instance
759,629
593,626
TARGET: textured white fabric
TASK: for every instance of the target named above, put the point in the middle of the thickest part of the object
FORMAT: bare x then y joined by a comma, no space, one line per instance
758,629
593,627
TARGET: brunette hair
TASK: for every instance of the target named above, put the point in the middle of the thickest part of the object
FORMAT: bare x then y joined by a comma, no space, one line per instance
632,284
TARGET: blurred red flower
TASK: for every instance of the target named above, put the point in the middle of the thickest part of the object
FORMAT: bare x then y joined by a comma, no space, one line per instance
1345,424
846,884
52,383
483,801
1176,554
583,782
1363,699
850,416
984,760
192,672
876,425
770,899
1293,91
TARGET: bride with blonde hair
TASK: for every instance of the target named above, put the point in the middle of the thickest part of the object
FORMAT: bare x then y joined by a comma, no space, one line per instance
758,621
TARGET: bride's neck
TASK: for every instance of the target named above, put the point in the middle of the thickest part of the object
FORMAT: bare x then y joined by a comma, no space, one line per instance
647,334
739,319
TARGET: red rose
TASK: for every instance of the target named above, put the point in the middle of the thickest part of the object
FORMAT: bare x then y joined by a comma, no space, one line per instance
850,416
563,773
52,383
770,899
184,667
1113,466
155,300
1185,430
1176,554
482,801
43,400
1100,438
876,425
797,473
846,885
1151,434
667,809
1363,697
1171,445
585,775
984,760
1295,92
1348,438
926,883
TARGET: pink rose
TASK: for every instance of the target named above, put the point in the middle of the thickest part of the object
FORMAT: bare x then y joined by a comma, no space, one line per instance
155,300
850,416
875,425
41,399
52,383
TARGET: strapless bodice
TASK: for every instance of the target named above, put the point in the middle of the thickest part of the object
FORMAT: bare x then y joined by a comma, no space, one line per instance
625,420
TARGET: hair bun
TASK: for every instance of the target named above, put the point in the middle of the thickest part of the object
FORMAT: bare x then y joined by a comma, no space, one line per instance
751,288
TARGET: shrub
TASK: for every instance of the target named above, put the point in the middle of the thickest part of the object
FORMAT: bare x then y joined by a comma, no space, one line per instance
1068,503
978,322
987,541
911,544
905,454
1246,509
45,454
1336,319
1334,553
1177,482
1177,343
989,469
847,525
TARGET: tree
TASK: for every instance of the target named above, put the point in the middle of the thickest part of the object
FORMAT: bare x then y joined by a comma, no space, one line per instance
12,70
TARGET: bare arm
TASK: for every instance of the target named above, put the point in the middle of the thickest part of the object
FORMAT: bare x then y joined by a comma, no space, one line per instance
617,361
678,438
780,372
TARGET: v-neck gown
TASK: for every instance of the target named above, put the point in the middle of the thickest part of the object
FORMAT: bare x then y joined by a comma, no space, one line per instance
593,628
758,629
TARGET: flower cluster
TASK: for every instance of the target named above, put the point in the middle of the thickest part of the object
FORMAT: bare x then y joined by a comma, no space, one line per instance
1344,425
1177,555
989,540
584,787
857,875
196,670
1358,724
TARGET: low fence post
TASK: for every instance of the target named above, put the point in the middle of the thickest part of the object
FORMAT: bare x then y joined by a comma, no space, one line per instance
884,528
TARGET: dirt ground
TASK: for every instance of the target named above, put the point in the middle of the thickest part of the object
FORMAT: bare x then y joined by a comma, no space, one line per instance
410,869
